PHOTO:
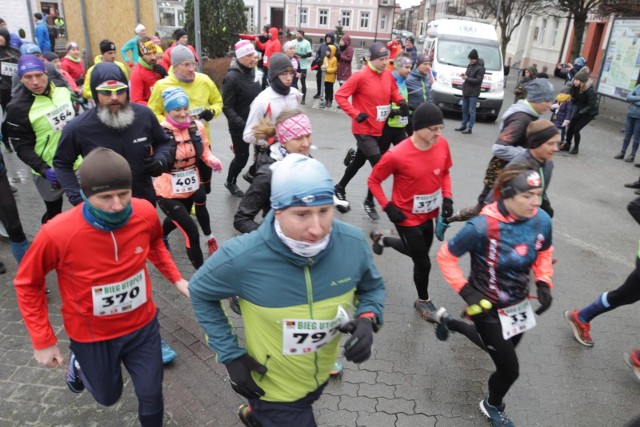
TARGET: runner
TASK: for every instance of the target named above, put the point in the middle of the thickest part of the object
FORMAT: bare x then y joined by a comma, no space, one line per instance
509,239
280,272
372,89
177,189
109,314
394,128
421,187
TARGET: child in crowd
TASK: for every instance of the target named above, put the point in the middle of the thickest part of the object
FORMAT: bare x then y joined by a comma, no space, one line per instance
561,111
330,65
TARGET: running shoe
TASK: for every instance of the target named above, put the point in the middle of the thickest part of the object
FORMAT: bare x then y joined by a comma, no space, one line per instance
426,310
246,416
633,361
442,319
72,377
496,415
234,305
581,330
234,189
343,206
441,227
341,195
336,370
376,246
351,154
370,209
212,245
168,354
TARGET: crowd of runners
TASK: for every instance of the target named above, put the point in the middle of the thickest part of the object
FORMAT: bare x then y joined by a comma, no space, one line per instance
122,138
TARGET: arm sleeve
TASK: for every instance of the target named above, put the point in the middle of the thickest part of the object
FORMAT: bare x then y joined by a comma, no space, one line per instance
255,113
347,55
209,286
158,253
228,100
450,268
512,131
215,99
477,81
63,161
30,286
136,89
446,178
543,266
381,171
161,146
370,289
156,104
86,89
125,49
332,66
23,138
591,106
254,201
506,152
344,92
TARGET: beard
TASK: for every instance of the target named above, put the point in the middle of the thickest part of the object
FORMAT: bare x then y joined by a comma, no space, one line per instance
116,119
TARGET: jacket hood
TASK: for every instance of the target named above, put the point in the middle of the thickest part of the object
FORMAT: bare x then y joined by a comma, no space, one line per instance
346,39
332,50
97,59
273,32
330,35
102,72
4,33
519,107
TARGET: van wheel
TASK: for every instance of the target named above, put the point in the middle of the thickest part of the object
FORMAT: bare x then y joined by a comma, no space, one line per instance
491,118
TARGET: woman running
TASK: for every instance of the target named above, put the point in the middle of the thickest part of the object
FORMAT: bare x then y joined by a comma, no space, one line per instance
509,238
179,189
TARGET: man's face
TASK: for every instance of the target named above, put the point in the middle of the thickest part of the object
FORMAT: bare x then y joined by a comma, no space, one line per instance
306,224
541,107
249,61
150,58
380,63
184,40
327,40
472,61
287,77
299,37
109,56
35,81
111,201
408,44
186,70
546,151
113,99
424,68
404,71
429,135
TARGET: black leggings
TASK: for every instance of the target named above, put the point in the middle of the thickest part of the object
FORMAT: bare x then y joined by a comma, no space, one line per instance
319,80
303,82
415,242
178,215
486,333
575,126
53,209
240,159
328,91
9,212
358,161
390,136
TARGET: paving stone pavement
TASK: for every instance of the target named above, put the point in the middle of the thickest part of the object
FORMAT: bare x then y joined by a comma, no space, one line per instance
411,379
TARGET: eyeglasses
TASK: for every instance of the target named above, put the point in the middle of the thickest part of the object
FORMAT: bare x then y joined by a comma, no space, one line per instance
438,128
110,91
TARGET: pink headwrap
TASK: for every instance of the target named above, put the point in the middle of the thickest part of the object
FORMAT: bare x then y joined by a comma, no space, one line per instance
292,128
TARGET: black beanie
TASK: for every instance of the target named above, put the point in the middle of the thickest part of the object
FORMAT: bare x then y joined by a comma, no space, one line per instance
107,46
278,64
104,170
50,56
378,50
179,33
473,54
427,115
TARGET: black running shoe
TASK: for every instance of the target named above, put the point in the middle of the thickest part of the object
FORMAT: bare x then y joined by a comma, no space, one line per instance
370,209
349,156
376,246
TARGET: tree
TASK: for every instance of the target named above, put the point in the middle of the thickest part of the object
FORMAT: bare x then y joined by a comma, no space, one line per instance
579,9
220,23
339,33
509,13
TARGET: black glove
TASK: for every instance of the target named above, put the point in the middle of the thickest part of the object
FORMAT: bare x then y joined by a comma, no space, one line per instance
159,69
362,117
404,108
357,349
80,81
240,376
395,215
206,115
447,207
544,297
393,113
476,301
153,167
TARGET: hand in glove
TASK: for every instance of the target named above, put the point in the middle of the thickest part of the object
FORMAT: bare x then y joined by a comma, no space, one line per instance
362,117
206,115
447,207
393,113
544,297
159,69
153,167
477,301
565,123
240,376
395,215
404,108
214,163
50,176
357,349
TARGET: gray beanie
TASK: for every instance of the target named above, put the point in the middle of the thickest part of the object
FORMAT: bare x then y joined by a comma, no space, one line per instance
539,90
378,50
104,170
181,54
278,64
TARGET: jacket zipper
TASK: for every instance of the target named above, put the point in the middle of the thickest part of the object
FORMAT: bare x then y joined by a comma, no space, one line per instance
115,245
309,285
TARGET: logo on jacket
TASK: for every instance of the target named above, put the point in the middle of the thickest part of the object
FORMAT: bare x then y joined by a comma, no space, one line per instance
436,171
534,179
138,250
539,242
141,139
521,249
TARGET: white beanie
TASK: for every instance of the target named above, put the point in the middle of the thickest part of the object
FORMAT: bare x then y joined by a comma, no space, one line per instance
139,28
244,48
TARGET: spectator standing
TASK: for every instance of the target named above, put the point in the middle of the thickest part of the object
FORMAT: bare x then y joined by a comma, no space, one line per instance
42,33
470,91
304,52
72,63
345,59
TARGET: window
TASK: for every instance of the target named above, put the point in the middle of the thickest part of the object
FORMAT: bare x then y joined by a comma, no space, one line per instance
364,19
248,12
304,14
171,16
536,33
383,22
323,15
543,31
345,21
556,27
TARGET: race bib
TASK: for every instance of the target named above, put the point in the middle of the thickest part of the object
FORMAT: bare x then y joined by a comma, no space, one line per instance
516,319
8,69
59,117
383,112
301,336
425,203
196,111
184,181
403,120
120,297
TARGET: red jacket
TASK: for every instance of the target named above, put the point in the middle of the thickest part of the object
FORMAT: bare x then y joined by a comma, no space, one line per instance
272,46
85,258
166,56
368,91
415,173
141,84
75,69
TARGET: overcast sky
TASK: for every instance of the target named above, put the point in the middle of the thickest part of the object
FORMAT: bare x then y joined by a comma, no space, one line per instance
408,3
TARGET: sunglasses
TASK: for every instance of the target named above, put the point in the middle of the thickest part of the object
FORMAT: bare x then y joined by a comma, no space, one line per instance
109,91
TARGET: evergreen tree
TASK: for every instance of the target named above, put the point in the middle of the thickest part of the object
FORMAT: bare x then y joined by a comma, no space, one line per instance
220,23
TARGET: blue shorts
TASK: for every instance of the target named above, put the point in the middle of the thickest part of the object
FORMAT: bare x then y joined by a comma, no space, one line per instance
287,414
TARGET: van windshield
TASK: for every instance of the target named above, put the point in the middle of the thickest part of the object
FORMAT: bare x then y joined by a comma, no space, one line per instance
454,52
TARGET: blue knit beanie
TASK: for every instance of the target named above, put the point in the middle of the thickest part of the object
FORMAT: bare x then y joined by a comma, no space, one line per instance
174,98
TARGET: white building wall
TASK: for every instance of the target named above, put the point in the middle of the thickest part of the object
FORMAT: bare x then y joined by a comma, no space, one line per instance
16,14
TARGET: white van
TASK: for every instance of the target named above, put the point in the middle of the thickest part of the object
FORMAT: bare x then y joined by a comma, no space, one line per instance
449,42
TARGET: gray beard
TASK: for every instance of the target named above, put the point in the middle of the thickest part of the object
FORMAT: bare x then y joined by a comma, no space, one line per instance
120,120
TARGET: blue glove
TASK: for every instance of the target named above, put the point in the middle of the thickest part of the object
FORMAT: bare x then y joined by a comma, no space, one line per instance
50,175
